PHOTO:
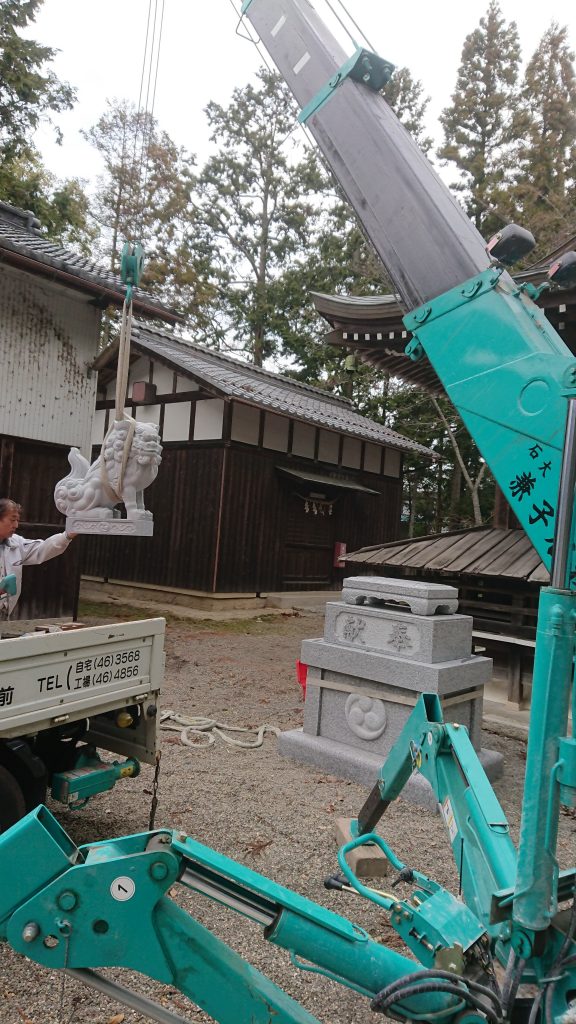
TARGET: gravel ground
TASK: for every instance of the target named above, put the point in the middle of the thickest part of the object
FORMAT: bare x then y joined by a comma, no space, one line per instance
268,813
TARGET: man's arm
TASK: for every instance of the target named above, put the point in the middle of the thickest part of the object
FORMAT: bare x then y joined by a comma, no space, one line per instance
34,552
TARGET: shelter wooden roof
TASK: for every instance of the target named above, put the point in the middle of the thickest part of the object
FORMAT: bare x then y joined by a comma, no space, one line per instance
481,551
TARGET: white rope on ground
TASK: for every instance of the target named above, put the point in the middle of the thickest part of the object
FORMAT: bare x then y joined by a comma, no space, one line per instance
209,728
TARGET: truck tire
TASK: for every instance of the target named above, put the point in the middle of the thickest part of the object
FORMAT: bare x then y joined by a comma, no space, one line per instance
27,769
12,803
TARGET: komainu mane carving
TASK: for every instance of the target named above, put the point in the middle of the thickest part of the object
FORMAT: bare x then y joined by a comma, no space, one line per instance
127,464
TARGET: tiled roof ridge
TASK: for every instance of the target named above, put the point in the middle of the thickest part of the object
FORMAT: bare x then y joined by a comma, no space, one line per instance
26,241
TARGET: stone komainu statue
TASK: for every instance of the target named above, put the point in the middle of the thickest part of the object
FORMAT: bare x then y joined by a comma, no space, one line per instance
128,463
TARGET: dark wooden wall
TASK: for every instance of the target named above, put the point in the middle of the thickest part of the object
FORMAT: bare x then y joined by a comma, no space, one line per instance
29,472
225,521
184,501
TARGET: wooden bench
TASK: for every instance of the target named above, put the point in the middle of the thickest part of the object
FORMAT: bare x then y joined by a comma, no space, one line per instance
520,659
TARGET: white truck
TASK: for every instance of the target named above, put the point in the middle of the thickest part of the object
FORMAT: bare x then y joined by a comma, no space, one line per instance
64,696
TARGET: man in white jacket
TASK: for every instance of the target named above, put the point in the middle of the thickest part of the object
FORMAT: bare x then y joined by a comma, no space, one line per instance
16,551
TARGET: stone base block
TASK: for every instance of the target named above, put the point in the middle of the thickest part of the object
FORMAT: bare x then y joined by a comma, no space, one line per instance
359,766
414,676
367,861
110,527
397,633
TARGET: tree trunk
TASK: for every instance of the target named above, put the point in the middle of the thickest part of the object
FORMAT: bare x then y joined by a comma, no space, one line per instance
412,488
455,492
260,290
472,485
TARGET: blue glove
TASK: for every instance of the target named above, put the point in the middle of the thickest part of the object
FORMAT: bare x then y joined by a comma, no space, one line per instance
8,584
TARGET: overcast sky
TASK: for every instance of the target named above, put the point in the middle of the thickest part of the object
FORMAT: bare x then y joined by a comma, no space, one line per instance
202,58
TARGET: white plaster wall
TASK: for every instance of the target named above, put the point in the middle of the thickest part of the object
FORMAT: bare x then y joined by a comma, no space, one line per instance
329,446
352,452
209,419
372,458
48,341
139,370
276,432
163,378
148,413
177,421
99,426
303,439
392,462
185,384
245,423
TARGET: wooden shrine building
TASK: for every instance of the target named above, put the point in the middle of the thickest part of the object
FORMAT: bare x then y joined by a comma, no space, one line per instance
264,482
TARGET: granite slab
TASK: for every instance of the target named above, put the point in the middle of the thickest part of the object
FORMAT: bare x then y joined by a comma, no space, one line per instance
416,676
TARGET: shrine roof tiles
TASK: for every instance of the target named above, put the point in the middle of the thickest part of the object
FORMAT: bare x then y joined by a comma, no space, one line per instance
232,378
482,551
22,245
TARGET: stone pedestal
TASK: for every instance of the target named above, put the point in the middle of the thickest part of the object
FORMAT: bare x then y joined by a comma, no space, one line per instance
366,674
110,525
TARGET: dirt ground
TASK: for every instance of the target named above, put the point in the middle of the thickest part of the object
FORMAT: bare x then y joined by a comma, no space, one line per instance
275,816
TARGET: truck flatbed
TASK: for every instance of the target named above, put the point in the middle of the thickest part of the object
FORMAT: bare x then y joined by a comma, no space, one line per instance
65,696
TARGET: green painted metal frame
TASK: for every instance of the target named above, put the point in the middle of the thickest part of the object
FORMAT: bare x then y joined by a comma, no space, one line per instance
363,66
69,896
508,373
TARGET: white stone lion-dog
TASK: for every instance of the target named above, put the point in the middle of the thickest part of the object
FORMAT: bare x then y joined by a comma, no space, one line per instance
128,463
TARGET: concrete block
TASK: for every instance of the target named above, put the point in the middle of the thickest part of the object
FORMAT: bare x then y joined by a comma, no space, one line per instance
421,598
364,768
399,633
414,676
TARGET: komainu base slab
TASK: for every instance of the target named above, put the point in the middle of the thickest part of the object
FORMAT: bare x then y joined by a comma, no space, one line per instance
110,527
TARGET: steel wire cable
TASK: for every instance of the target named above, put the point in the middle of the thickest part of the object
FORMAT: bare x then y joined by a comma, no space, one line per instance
142,74
150,106
356,26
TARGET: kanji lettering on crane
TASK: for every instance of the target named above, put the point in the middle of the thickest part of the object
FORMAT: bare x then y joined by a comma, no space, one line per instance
523,484
541,514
